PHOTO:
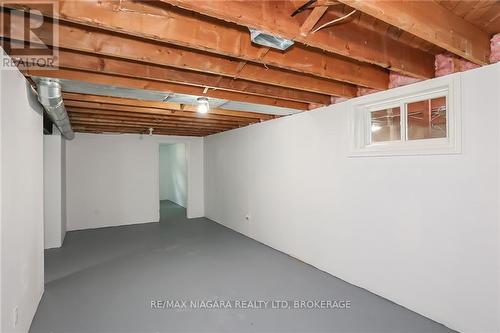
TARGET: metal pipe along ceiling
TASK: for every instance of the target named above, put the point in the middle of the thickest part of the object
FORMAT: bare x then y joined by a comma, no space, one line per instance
50,96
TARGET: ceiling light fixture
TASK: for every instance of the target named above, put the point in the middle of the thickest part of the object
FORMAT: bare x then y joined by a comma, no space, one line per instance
203,105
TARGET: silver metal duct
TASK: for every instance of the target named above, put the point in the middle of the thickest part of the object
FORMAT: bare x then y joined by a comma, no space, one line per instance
50,96
265,39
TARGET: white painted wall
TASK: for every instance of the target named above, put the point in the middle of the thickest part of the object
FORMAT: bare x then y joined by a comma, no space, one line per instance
114,179
21,220
54,165
64,212
422,231
2,54
173,173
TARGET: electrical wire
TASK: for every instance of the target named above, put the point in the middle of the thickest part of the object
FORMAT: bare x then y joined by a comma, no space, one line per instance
334,21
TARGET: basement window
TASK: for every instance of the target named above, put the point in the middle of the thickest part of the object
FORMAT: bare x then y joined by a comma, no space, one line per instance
385,125
410,122
426,119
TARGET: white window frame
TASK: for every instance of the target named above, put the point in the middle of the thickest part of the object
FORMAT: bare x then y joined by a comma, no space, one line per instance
360,120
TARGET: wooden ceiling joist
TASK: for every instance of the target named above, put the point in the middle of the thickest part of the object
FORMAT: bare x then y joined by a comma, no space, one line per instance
159,86
77,105
312,19
183,29
112,45
90,128
349,40
99,42
100,64
432,22
110,113
75,115
93,113
163,108
94,110
203,48
76,46
156,125
104,122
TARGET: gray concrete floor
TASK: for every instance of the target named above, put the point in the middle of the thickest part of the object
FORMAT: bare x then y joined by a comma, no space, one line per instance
104,280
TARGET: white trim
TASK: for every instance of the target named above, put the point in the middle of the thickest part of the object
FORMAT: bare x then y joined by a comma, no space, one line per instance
360,120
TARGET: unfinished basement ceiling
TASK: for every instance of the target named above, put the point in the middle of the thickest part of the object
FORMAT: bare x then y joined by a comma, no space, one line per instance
151,95
142,51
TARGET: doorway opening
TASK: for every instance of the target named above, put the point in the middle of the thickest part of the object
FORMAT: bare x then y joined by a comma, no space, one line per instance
173,182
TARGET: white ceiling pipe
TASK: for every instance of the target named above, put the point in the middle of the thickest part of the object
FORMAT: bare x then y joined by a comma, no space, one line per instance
50,96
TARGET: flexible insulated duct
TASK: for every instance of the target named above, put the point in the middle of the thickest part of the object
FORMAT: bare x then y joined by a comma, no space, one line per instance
50,96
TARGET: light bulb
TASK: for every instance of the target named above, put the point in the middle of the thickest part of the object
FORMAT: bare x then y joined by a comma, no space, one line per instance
202,108
203,105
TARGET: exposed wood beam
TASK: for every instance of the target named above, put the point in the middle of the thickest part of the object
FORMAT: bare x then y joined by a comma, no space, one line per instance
273,95
241,65
431,22
350,40
181,28
168,106
123,115
102,122
128,82
90,128
124,128
148,121
188,116
156,125
134,111
100,64
321,3
312,19
82,64
108,44
111,112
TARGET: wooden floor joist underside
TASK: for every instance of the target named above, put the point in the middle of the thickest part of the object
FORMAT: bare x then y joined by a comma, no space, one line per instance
203,48
92,113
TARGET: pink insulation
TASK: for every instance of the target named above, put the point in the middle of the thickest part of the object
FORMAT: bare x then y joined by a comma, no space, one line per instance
336,100
366,91
313,106
448,63
465,65
445,64
495,49
398,80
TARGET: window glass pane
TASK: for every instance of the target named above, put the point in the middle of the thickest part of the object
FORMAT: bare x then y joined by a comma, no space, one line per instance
427,119
386,125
